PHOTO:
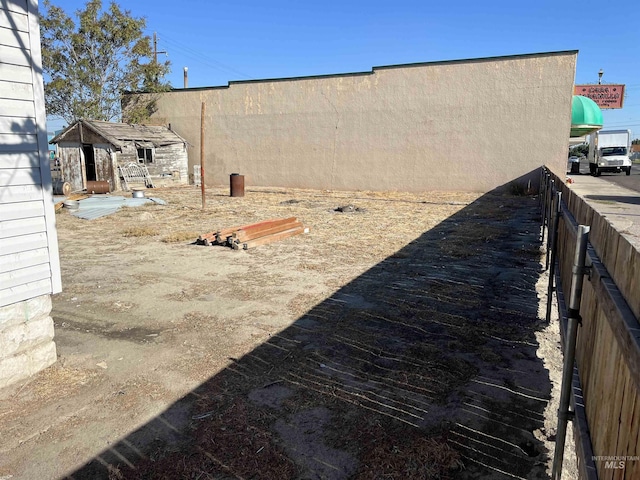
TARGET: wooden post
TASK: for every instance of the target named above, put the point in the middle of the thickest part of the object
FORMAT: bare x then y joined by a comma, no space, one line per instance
202,155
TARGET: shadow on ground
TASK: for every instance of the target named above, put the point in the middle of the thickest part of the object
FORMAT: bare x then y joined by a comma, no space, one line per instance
632,200
423,367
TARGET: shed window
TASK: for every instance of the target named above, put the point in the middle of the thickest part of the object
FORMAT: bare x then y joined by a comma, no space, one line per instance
145,155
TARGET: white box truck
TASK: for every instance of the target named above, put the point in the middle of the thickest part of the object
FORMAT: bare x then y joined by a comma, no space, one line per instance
609,152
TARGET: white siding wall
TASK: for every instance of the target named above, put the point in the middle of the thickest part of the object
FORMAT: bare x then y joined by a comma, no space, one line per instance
29,262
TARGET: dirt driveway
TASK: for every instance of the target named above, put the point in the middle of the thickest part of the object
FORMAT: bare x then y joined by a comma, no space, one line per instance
399,340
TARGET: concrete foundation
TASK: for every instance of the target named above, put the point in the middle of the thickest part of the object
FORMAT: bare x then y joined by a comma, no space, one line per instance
26,339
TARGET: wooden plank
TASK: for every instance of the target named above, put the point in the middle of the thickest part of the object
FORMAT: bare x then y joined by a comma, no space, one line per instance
623,271
620,319
23,226
262,226
274,222
12,160
20,176
222,235
242,236
24,292
269,238
25,259
615,388
593,393
626,414
632,470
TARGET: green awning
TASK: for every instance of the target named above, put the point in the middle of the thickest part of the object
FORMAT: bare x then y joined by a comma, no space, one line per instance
586,116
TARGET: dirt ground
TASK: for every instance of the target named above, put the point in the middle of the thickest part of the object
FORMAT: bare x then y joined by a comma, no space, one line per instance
401,339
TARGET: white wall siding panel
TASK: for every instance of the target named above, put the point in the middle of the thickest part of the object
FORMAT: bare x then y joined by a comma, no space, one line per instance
19,160
15,73
23,243
14,20
13,38
22,176
26,275
18,142
55,285
21,193
16,56
17,108
27,259
16,91
23,226
19,6
24,292
15,211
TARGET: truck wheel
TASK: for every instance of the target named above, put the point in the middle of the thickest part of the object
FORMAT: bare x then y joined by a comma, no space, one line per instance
628,172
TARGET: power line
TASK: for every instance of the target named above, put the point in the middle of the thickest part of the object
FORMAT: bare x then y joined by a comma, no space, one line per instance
203,59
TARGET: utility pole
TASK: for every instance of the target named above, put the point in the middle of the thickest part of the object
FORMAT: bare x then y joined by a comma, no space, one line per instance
156,52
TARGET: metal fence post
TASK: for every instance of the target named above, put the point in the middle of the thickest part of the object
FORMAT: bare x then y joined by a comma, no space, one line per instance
545,201
577,280
554,253
552,192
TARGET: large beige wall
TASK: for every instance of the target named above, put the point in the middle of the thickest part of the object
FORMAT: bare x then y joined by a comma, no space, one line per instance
470,125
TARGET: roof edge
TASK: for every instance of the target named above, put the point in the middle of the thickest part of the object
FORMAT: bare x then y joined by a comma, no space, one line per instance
369,72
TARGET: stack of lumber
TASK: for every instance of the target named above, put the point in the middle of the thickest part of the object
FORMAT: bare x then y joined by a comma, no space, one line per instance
248,236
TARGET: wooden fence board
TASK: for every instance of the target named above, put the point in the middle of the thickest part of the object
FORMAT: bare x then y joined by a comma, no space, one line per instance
608,344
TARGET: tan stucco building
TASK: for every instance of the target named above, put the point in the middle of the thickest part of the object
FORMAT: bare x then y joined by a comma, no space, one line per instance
466,125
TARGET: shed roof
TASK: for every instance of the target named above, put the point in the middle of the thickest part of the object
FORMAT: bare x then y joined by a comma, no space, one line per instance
118,134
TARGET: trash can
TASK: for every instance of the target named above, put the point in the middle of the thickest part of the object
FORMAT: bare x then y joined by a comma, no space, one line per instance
236,184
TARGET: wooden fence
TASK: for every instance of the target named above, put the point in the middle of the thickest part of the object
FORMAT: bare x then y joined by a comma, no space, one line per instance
607,406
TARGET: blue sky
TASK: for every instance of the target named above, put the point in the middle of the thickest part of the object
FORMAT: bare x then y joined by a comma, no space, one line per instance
222,41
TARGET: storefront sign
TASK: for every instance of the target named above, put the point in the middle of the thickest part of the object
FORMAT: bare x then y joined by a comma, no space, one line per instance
605,96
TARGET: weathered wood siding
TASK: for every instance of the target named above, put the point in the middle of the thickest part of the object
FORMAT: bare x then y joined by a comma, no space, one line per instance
72,165
104,168
166,160
29,262
170,159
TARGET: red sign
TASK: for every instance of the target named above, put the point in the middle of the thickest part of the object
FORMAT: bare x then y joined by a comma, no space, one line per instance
605,96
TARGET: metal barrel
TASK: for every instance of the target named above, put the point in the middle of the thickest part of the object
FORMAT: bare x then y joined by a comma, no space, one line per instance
60,187
236,184
97,186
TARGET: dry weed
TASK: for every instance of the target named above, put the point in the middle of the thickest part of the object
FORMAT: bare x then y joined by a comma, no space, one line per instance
140,232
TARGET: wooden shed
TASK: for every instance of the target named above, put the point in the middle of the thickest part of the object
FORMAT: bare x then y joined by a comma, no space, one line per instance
92,150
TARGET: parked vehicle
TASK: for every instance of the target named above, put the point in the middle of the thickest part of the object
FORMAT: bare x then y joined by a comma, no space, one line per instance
609,152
